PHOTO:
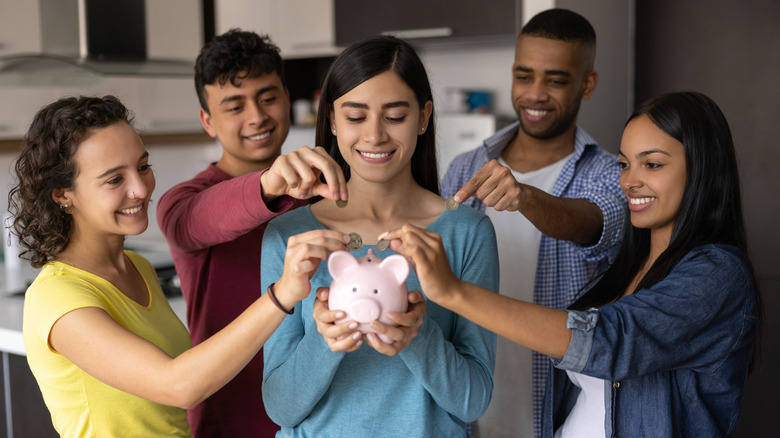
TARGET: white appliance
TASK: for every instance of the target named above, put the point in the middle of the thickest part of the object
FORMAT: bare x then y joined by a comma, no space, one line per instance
457,133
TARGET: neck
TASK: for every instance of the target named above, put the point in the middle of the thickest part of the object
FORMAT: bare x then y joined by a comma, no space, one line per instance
525,153
236,168
94,253
384,200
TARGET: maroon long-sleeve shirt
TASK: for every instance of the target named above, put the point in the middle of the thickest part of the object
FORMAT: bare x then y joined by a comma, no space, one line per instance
214,225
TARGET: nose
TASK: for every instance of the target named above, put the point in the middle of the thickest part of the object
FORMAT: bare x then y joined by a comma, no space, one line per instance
374,132
629,179
140,186
256,114
364,310
537,91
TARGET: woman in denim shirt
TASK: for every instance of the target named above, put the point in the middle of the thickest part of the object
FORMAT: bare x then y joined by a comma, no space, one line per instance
661,343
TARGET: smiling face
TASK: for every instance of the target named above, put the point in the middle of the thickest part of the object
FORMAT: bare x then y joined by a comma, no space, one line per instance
377,124
250,120
111,192
653,176
550,78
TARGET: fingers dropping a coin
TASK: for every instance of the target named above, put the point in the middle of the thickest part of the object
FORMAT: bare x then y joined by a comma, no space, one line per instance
451,204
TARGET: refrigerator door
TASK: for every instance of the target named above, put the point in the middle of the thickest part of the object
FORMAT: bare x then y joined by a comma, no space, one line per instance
457,133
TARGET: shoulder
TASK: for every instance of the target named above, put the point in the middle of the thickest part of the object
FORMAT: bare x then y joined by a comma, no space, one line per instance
465,222
715,274
595,158
466,163
58,289
203,180
293,221
716,257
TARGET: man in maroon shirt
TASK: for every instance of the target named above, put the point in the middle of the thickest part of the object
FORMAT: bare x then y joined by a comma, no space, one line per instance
214,223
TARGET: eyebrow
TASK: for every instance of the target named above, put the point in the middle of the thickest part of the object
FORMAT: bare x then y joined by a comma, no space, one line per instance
648,152
523,69
397,104
236,97
114,169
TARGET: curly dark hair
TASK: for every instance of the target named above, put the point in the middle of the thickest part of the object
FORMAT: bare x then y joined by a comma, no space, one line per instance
47,163
233,56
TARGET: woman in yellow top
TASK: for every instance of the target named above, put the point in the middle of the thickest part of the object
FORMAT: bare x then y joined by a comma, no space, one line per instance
110,356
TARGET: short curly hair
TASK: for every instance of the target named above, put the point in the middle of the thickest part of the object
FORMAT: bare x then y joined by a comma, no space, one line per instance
47,163
233,56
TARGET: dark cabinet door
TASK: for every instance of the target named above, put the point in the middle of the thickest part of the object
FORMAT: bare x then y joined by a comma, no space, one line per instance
29,415
433,20
3,405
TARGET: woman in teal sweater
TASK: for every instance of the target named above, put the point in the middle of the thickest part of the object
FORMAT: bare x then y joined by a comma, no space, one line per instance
327,379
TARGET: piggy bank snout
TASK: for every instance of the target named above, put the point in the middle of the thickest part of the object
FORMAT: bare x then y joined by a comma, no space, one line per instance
364,310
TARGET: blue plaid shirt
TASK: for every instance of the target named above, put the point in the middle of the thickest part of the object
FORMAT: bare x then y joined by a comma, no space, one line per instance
563,267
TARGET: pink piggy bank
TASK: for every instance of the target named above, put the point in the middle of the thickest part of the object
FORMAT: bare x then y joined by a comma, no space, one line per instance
367,288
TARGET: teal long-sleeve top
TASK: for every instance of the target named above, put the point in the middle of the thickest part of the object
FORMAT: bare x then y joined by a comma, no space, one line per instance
439,382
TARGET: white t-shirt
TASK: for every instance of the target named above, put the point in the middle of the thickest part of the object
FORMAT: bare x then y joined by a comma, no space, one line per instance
510,414
586,418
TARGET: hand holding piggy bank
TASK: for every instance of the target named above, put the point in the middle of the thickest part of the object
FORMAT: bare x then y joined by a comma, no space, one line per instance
367,288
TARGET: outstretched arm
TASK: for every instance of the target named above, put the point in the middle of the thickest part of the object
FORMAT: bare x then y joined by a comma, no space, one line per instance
99,345
576,220
195,215
537,327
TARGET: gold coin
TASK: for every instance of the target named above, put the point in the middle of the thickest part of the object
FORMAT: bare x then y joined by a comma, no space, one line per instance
452,204
340,203
355,242
382,245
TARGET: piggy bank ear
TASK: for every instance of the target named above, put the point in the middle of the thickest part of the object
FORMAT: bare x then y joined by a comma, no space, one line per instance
340,261
398,265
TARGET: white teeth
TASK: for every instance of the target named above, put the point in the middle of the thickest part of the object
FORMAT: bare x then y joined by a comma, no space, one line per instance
260,136
536,113
640,201
370,155
131,210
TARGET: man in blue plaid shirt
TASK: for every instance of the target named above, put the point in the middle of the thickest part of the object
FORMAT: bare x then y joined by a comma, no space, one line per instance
565,189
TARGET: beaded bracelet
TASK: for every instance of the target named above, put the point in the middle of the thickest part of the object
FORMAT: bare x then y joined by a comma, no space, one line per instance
270,291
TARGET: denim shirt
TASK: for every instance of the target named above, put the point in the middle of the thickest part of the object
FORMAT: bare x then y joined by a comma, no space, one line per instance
675,356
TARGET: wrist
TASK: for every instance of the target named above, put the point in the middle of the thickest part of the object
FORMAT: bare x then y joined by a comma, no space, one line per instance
285,295
265,193
282,304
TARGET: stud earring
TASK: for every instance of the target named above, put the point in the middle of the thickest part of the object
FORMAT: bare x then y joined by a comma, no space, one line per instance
334,131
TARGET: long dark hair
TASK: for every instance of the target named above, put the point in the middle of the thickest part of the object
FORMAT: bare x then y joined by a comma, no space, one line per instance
362,61
711,206
47,163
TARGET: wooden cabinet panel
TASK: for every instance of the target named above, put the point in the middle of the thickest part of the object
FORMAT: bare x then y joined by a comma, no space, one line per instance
28,411
3,405
431,20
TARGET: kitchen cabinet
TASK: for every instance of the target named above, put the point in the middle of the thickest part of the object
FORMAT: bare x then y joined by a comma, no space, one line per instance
162,105
26,416
429,21
301,28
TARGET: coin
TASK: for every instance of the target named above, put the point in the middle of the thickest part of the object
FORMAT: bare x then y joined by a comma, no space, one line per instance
355,242
340,203
452,204
382,245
